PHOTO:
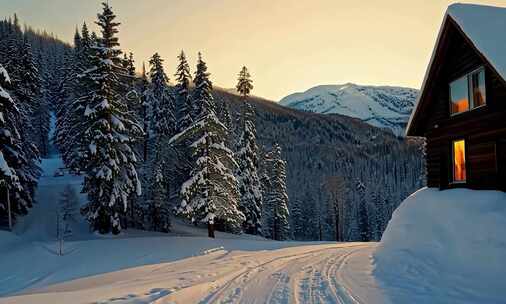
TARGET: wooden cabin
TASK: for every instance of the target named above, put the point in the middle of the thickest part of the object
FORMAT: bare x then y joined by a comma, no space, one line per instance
461,109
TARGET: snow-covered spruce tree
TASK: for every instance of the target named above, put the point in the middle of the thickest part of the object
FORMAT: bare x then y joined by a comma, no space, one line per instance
163,127
363,220
110,132
223,112
247,158
181,163
145,116
185,109
75,88
26,91
130,78
276,215
41,111
210,195
10,148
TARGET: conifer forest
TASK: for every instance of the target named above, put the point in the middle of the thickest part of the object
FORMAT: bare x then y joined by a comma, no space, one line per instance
160,143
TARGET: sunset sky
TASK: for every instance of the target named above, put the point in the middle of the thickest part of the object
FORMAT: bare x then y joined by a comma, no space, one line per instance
289,46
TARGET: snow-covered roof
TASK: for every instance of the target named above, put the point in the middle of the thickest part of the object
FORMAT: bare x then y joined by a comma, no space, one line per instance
485,26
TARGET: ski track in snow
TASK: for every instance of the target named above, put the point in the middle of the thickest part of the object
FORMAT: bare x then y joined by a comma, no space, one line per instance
304,274
304,277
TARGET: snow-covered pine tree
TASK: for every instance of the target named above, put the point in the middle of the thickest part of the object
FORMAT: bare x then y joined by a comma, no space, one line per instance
276,215
210,195
41,111
11,149
363,220
74,91
110,132
297,215
163,121
145,115
26,91
186,111
163,127
223,112
247,158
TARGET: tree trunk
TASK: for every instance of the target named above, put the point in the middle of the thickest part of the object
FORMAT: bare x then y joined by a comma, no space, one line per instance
210,230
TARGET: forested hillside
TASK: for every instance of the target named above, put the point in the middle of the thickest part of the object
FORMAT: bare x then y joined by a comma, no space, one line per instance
337,167
151,148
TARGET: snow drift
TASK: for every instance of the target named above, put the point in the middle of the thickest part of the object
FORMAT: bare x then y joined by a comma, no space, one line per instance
446,245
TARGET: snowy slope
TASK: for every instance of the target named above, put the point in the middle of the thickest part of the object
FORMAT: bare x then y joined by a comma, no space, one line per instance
384,107
445,247
29,255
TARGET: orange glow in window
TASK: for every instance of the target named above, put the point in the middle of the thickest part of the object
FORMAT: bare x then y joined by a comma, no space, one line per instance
459,161
461,105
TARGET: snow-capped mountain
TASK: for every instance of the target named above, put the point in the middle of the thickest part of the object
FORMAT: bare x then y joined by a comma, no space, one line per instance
380,106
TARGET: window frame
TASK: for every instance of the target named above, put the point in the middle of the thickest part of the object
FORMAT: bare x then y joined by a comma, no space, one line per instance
453,181
470,97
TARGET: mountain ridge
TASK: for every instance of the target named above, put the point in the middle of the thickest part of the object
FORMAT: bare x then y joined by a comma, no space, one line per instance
387,107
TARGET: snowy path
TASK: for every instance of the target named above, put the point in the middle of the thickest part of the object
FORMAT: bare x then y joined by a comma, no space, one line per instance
304,274
146,267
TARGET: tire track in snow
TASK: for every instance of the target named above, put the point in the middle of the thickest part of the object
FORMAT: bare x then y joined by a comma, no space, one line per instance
306,277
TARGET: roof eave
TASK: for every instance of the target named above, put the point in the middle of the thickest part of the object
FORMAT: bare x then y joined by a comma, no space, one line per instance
410,131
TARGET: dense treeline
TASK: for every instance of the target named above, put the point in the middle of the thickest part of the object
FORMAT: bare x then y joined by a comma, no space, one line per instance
344,178
151,148
29,63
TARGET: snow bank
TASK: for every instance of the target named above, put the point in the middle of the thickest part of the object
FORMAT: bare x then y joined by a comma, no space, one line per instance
446,245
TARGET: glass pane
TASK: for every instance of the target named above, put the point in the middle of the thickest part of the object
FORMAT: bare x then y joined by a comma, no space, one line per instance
478,88
459,95
459,161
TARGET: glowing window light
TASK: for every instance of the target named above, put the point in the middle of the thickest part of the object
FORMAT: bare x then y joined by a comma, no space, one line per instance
459,161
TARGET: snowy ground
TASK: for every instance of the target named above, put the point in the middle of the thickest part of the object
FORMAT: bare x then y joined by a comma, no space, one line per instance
440,247
138,267
302,274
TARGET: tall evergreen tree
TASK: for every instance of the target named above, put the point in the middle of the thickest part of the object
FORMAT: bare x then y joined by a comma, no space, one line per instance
244,84
27,87
164,126
186,111
363,221
110,132
11,150
276,214
210,195
247,175
145,117
74,90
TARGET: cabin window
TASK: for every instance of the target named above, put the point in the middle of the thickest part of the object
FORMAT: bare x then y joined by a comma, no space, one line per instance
468,92
459,161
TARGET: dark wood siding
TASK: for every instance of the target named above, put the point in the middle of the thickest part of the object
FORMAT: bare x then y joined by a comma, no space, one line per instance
484,129
482,164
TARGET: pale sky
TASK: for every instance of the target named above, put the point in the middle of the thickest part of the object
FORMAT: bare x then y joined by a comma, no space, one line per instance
288,45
